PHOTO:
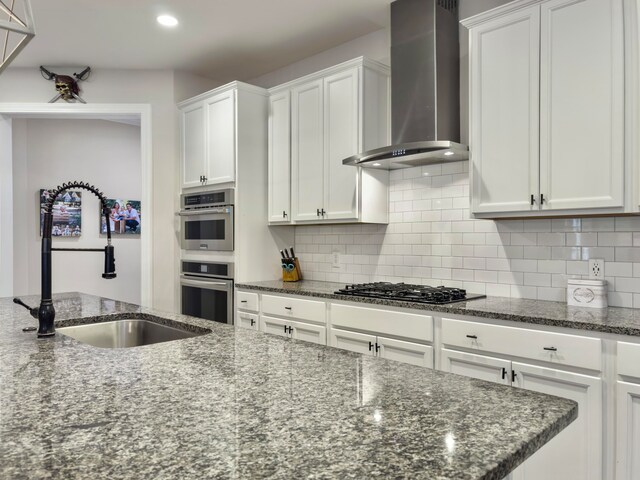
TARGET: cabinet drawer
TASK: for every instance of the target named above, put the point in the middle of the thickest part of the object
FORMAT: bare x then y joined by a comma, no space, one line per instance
556,348
629,359
290,307
247,301
400,324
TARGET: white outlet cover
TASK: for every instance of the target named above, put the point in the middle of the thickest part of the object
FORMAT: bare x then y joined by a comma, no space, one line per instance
335,260
596,268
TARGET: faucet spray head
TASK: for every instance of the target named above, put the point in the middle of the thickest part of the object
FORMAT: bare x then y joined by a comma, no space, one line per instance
109,262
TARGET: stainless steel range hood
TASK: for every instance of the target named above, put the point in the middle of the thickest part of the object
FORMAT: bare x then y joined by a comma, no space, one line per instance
425,103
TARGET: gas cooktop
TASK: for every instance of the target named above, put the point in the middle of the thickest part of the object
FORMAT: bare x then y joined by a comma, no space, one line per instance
408,293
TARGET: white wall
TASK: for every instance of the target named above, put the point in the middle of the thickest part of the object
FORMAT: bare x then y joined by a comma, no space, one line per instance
432,240
159,89
374,45
102,153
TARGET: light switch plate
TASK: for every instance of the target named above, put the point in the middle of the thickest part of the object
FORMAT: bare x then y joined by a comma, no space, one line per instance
335,260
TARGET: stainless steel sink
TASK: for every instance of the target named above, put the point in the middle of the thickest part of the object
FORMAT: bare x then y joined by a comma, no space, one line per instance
125,333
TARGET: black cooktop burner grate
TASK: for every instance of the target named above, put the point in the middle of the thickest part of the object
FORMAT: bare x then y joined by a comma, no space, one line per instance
408,292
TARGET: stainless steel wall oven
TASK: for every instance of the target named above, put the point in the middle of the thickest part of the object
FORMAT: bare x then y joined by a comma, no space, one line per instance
207,290
207,220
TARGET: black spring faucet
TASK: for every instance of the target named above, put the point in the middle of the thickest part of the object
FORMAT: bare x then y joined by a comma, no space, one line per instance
46,313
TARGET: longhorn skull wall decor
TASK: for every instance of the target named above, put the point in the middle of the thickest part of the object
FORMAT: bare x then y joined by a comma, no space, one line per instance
66,85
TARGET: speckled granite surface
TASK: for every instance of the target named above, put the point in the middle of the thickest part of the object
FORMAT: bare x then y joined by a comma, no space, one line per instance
242,404
623,321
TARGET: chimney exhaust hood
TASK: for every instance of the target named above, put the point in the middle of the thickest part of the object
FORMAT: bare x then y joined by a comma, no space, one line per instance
425,78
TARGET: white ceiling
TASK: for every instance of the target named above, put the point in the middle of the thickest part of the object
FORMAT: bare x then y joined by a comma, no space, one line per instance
220,39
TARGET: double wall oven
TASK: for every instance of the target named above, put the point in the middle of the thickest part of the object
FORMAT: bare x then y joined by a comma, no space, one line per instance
207,290
207,221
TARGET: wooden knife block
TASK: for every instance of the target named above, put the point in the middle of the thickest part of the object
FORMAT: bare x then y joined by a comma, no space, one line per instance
294,275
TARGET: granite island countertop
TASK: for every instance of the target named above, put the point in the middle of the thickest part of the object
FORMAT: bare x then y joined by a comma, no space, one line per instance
236,403
616,320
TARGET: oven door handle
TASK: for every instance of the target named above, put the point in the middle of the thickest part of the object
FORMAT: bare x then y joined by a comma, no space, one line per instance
206,284
216,211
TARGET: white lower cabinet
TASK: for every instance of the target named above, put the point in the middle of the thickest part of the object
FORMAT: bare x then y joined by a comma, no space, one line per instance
383,347
247,320
293,329
576,452
628,433
406,352
309,333
352,341
476,366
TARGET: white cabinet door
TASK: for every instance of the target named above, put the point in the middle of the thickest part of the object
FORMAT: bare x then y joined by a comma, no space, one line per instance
482,367
505,112
406,352
341,140
221,139
247,320
193,144
581,104
576,452
309,333
307,157
628,442
355,342
280,158
275,326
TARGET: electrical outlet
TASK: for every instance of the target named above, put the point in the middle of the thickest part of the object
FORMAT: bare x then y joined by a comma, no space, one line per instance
335,260
596,268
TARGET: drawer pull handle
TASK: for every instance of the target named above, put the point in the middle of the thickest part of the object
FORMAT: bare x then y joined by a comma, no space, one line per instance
253,322
550,349
370,346
473,337
504,373
243,301
287,308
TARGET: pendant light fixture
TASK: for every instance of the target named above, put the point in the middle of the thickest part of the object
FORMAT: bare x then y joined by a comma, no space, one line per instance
16,29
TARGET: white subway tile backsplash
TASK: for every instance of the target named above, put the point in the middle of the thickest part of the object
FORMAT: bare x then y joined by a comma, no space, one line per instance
432,239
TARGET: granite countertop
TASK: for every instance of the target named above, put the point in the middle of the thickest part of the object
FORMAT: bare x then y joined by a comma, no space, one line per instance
617,320
236,403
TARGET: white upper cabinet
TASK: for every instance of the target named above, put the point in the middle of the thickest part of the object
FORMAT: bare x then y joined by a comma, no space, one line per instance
193,144
581,107
280,157
505,96
341,140
209,126
335,113
307,166
220,165
547,120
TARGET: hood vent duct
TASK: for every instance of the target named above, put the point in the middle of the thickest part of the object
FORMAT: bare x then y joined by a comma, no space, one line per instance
425,88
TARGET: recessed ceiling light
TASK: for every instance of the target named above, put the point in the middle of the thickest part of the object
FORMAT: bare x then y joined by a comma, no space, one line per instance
376,164
448,153
167,20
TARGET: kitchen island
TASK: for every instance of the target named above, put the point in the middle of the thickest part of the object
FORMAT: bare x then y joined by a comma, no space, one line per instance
235,403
